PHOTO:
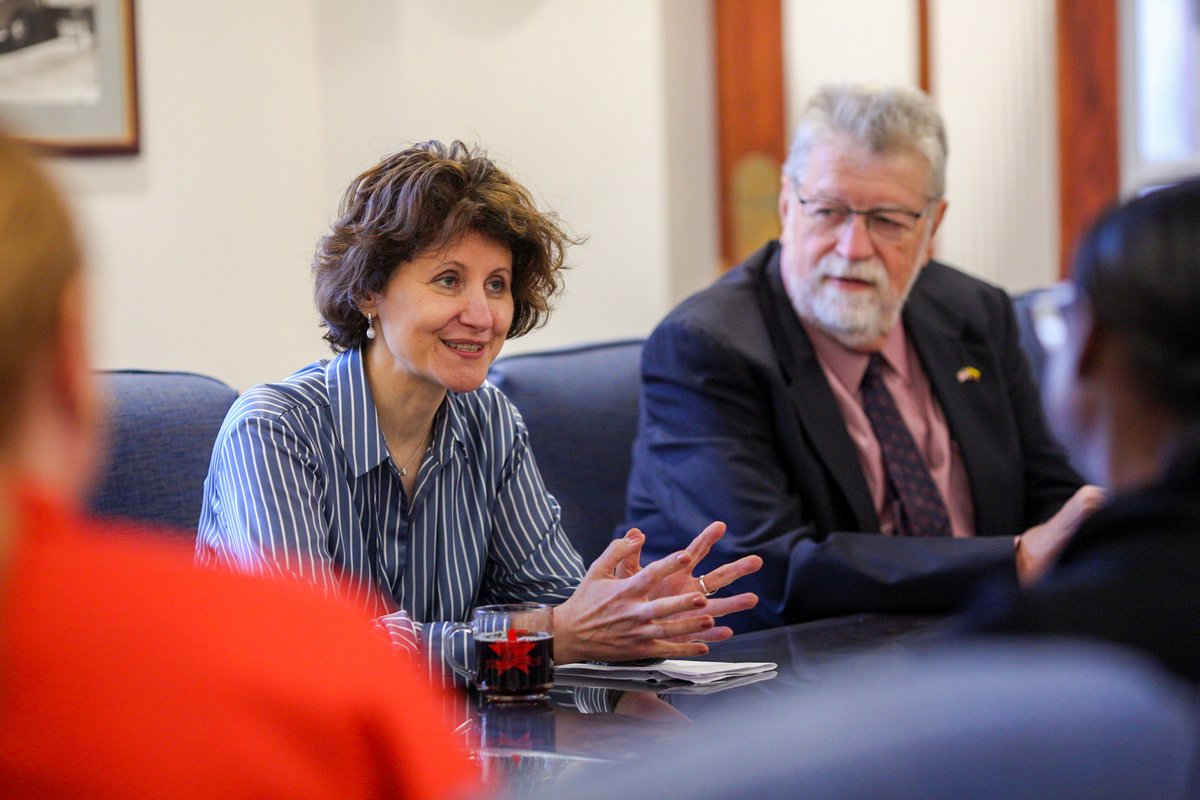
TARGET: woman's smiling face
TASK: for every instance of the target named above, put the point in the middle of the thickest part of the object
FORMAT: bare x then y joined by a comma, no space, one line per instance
444,315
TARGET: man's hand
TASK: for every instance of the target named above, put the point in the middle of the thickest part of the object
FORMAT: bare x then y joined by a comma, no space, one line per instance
1039,547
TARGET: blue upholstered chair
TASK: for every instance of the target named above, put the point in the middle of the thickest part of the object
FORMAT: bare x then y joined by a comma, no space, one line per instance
580,405
161,429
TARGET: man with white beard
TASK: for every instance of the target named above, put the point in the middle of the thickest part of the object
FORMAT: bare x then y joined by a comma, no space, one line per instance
874,466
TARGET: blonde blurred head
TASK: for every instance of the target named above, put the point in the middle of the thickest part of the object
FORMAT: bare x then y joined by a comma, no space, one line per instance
47,403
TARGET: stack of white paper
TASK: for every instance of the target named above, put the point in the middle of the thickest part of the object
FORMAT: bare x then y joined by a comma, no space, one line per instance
670,672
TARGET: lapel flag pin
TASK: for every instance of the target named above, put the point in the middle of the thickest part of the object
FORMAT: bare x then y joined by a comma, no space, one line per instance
967,374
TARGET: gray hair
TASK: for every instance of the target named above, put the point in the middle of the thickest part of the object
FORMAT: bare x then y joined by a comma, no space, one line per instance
883,120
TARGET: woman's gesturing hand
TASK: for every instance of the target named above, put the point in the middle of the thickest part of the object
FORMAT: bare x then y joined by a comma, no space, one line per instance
714,581
622,611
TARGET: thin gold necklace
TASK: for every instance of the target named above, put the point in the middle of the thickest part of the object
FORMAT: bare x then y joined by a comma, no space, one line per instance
404,469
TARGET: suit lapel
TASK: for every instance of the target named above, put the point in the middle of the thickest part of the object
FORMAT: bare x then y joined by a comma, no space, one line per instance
813,400
948,355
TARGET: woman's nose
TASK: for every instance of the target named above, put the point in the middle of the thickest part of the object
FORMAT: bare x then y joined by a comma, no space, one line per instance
476,312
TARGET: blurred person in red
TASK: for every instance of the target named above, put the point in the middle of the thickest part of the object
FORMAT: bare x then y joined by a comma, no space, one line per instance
126,672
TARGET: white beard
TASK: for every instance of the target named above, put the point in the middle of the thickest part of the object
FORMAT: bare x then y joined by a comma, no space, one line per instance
855,318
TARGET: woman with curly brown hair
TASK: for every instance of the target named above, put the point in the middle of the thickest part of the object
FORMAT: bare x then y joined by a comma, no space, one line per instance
396,463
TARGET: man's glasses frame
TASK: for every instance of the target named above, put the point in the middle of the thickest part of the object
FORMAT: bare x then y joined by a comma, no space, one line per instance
888,225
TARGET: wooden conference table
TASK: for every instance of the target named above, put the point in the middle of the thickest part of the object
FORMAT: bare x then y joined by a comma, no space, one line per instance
530,744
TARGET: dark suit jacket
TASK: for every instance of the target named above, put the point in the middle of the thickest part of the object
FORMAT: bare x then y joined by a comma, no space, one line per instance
1130,575
738,423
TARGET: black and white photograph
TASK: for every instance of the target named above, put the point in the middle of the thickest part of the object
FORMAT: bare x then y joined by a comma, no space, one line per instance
67,74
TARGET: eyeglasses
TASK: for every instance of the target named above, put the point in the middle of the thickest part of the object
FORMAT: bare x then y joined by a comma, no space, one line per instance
889,225
1048,312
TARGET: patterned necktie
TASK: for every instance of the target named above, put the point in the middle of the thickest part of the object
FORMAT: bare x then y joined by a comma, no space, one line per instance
918,505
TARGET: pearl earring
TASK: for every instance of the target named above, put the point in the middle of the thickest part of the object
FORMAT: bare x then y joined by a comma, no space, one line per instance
370,327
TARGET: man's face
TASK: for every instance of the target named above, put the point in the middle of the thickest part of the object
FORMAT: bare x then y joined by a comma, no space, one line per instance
849,274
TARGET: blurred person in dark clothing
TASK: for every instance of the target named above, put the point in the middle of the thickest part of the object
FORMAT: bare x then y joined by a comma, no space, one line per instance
1123,341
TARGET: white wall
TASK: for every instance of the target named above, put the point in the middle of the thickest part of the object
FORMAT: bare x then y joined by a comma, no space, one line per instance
201,244
994,65
862,41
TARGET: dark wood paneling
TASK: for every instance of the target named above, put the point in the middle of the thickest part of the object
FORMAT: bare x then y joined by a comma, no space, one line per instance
751,128
924,76
1088,147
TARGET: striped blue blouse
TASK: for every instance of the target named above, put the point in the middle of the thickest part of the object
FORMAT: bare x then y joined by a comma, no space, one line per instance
301,482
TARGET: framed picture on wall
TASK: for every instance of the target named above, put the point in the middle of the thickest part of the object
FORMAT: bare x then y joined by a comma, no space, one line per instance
68,80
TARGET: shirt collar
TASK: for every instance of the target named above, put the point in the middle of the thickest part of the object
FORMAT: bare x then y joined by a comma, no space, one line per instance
353,408
849,366
450,428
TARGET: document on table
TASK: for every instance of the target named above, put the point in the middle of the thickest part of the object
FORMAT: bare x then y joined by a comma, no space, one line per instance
672,672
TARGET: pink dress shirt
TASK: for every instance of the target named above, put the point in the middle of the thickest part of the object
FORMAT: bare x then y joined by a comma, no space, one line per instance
905,379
